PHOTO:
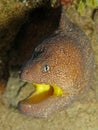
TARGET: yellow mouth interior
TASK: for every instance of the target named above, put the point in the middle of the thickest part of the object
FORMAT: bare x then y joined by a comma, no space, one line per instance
42,92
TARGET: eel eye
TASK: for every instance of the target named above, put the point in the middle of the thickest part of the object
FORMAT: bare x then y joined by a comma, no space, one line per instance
46,68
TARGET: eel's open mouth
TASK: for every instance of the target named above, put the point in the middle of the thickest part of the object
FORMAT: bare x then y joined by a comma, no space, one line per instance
42,92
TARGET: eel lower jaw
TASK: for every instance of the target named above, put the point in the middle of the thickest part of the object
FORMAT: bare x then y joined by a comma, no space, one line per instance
43,92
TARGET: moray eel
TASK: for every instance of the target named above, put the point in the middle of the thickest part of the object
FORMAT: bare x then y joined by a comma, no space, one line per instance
60,69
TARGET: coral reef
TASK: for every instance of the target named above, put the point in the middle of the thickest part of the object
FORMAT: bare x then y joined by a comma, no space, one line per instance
83,114
82,5
10,22
14,14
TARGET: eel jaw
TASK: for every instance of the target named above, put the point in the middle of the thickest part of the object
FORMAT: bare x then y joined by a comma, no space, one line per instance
42,92
45,100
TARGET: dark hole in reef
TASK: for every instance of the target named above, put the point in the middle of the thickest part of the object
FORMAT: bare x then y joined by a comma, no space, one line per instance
41,23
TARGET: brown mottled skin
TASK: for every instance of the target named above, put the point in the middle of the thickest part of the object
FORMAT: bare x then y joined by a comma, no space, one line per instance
69,55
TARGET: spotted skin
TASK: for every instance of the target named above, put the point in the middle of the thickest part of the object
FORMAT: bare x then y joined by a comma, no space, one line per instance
68,54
